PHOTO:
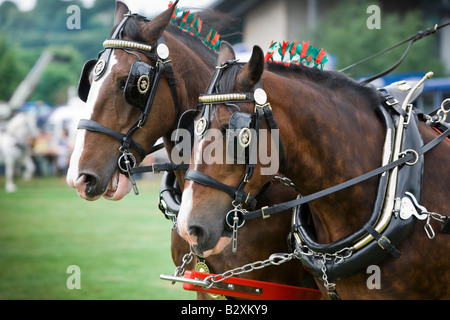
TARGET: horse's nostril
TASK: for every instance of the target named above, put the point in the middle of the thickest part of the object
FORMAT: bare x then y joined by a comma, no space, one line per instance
90,182
199,233
90,179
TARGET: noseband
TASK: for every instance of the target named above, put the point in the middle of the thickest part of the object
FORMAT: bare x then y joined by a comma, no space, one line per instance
242,122
140,90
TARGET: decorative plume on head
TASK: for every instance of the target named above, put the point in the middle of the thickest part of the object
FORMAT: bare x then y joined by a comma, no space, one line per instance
190,22
298,54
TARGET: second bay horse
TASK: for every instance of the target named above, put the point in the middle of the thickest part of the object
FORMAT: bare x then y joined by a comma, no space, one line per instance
329,132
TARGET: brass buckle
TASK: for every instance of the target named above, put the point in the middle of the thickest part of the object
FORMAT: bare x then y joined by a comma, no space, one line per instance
153,168
391,102
246,199
383,238
259,106
265,216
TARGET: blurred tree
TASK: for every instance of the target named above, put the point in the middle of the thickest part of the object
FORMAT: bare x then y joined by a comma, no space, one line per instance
96,27
25,35
59,75
9,65
9,13
343,32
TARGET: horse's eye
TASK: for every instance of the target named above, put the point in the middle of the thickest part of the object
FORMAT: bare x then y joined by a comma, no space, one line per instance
121,84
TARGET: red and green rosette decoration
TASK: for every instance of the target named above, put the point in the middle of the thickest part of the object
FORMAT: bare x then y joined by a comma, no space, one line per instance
190,22
303,53
212,39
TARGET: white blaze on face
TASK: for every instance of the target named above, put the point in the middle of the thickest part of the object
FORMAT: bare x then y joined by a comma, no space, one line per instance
183,214
187,201
73,172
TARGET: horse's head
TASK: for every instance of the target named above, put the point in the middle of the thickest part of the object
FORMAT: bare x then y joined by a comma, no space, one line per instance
120,89
227,171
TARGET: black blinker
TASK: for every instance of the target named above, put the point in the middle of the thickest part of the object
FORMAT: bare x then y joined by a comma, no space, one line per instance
186,121
84,85
239,136
138,85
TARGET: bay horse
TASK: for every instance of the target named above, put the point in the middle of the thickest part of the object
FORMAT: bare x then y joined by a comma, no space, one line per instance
329,132
94,170
16,147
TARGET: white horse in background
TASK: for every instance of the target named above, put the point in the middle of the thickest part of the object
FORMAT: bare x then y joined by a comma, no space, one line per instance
16,138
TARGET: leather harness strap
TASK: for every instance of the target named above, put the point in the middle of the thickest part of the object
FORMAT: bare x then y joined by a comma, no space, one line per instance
268,211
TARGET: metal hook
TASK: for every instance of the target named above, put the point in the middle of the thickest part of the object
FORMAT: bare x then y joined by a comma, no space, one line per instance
235,219
126,159
429,229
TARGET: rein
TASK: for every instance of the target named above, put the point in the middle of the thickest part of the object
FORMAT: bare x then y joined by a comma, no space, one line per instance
146,86
266,212
419,35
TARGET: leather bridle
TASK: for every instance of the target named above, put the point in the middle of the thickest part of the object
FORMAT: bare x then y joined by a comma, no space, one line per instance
234,218
163,67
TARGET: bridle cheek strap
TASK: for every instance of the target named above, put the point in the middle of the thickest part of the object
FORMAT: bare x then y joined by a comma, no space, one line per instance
163,68
163,65
126,140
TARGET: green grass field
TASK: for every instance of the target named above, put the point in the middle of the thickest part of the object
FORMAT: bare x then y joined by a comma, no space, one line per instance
120,247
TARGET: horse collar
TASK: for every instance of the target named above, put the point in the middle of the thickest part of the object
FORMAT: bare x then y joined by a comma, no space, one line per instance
396,199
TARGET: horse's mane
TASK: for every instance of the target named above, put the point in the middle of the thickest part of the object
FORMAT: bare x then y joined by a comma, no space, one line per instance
329,79
195,43
133,31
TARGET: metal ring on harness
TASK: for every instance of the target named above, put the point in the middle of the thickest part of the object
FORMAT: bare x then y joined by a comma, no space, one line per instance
442,112
229,218
413,152
123,159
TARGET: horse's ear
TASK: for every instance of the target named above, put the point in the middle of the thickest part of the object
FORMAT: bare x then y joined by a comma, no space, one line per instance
226,52
252,71
153,30
121,10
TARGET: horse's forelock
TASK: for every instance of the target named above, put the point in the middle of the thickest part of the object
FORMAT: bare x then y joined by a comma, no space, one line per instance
132,28
228,80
